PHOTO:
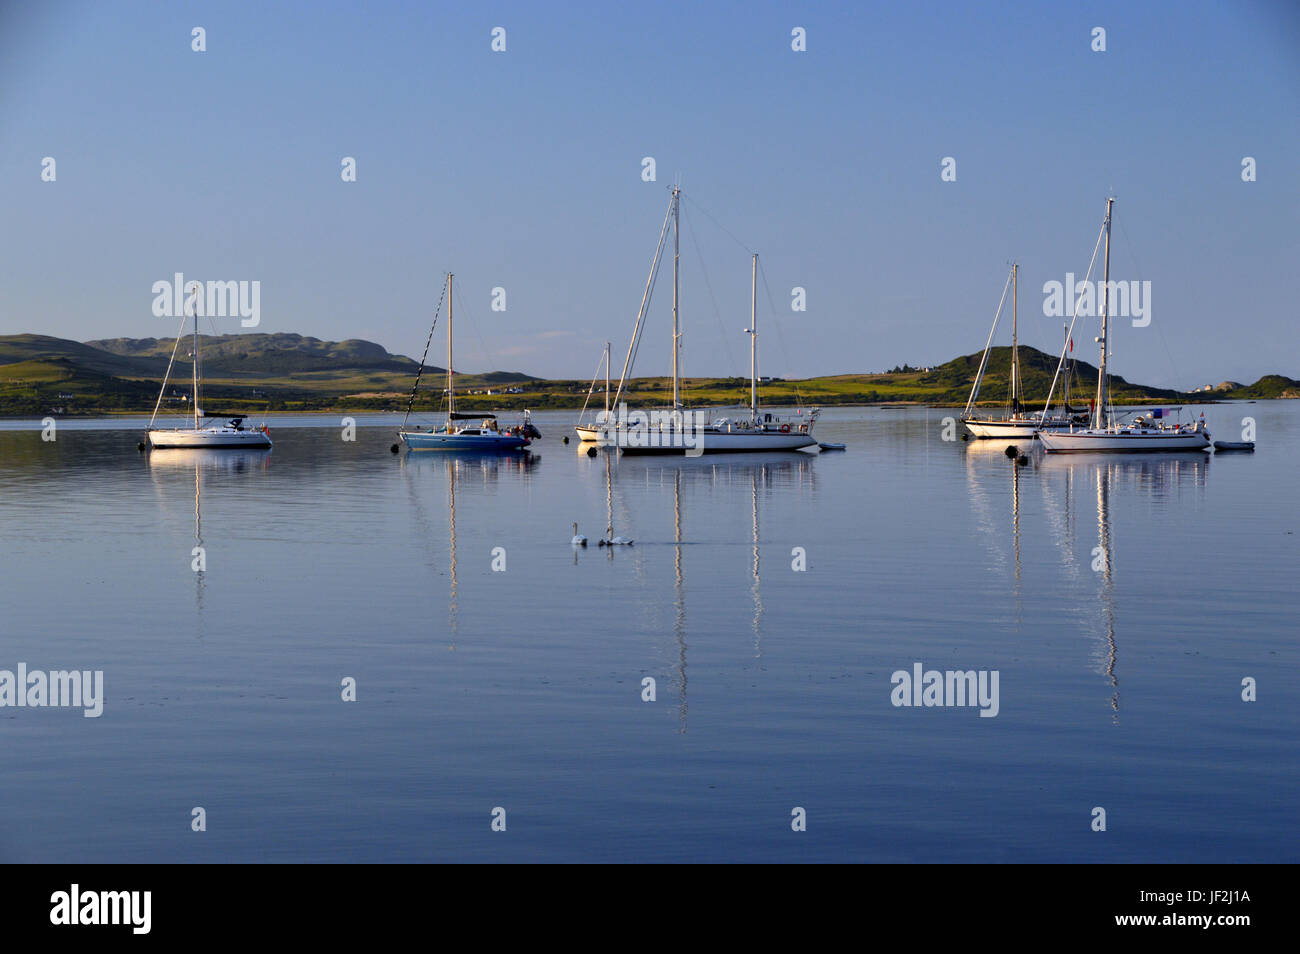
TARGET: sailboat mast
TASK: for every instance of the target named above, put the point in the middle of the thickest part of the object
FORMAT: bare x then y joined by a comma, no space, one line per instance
677,400
1102,383
753,340
1065,348
1015,343
195,362
451,392
606,381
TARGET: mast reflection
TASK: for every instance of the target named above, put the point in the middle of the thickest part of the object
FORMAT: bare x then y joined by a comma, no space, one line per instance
1157,477
483,469
229,461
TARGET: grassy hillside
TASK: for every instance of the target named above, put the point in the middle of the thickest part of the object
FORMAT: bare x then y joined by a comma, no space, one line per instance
37,387
1036,371
264,355
240,373
243,373
1269,387
15,348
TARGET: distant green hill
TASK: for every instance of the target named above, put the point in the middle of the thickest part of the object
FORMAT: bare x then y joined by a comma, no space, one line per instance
40,374
15,348
263,355
240,372
1036,371
1270,386
58,385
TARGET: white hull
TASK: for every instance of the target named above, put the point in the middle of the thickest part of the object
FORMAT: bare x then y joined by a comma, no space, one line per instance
1085,441
209,437
714,441
1011,429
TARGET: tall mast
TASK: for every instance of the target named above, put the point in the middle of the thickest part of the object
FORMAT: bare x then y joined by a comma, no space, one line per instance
753,340
1015,345
451,392
1065,348
196,357
607,381
677,401
1102,383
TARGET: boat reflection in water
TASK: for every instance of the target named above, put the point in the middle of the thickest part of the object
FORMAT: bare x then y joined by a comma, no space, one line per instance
480,469
981,457
1103,477
759,475
212,461
1070,486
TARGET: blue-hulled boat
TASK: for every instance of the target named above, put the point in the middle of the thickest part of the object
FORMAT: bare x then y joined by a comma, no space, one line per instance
484,436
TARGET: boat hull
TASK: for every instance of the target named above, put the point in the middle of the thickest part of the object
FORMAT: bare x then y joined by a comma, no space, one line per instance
720,442
209,437
426,441
1012,430
1111,442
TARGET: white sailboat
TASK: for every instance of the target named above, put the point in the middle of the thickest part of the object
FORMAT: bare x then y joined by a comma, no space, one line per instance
1146,433
484,436
599,431
757,432
1017,424
231,434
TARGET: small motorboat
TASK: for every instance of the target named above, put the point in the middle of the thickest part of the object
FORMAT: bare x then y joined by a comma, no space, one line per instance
1234,445
827,445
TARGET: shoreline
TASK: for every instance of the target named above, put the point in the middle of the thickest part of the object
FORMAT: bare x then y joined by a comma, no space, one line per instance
341,409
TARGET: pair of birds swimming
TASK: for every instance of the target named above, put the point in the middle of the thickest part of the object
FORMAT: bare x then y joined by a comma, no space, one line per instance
580,541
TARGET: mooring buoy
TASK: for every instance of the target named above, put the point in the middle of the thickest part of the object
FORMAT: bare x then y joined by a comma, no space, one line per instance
591,452
564,440
395,448
1011,451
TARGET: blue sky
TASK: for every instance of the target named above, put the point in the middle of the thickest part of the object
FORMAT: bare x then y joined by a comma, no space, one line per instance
522,170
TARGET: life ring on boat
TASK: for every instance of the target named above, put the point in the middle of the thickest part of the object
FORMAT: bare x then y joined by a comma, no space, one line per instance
785,428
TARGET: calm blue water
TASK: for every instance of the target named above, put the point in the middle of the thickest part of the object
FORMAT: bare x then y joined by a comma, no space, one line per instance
1120,687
